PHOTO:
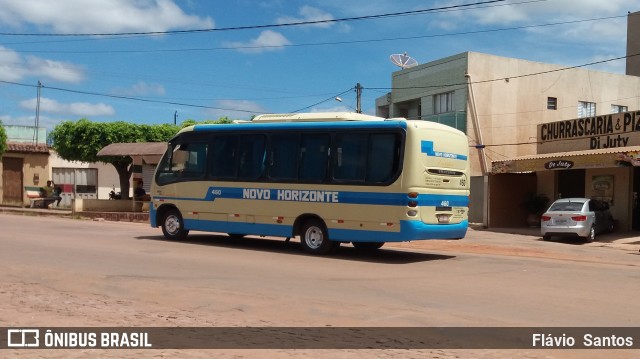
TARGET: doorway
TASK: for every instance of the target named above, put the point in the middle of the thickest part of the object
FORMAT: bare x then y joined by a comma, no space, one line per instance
12,180
571,183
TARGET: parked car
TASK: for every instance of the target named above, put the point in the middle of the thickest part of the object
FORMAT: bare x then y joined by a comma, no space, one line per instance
582,217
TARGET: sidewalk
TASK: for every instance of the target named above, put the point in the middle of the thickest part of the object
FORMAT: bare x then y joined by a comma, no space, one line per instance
60,212
629,240
139,217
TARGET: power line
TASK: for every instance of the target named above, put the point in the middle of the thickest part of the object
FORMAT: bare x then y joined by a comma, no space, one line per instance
346,42
155,101
254,27
323,101
315,104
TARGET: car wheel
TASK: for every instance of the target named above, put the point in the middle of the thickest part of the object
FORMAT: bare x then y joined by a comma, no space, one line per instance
592,235
367,246
546,237
173,226
315,239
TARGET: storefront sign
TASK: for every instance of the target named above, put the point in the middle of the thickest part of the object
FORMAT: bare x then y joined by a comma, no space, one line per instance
590,133
600,160
558,165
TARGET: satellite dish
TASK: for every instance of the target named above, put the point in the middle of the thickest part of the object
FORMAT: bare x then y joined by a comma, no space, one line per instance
403,61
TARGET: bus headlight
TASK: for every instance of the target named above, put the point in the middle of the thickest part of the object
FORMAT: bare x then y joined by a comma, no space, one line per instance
443,218
412,213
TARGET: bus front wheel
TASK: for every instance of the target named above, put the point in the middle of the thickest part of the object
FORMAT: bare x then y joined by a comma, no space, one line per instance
315,239
173,225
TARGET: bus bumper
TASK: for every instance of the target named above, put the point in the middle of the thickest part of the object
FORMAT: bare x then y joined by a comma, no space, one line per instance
409,231
152,215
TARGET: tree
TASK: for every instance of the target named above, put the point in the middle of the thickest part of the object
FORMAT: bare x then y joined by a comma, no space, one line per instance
3,139
221,120
83,139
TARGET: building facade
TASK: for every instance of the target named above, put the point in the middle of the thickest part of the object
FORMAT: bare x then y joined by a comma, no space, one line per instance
30,162
501,104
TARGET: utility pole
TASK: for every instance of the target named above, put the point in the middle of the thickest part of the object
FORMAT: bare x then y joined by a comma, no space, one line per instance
35,131
358,98
175,118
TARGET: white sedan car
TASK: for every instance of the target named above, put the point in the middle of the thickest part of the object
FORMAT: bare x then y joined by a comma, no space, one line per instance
580,217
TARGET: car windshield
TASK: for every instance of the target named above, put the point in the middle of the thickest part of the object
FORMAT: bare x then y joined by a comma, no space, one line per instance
566,206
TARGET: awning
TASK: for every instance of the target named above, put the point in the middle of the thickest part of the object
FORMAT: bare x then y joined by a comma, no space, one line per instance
134,149
599,158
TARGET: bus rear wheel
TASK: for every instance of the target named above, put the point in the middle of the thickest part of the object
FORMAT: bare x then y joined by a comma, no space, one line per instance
173,226
367,246
315,239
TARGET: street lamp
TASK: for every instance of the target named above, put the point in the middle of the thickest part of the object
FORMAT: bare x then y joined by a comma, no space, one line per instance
340,100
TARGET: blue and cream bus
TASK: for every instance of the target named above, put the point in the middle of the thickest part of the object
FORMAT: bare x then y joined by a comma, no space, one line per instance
325,178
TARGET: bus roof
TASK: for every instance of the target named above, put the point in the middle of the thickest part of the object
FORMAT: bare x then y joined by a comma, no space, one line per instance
315,117
309,125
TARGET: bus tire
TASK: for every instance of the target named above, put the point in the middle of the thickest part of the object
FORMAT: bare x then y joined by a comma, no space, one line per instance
314,238
367,246
173,226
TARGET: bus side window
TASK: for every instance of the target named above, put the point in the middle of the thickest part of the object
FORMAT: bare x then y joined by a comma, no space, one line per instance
351,154
223,157
383,159
252,157
314,153
283,158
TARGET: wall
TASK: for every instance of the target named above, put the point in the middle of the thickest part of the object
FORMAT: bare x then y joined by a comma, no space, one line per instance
507,192
547,184
510,109
621,206
34,170
107,175
509,100
477,200
100,205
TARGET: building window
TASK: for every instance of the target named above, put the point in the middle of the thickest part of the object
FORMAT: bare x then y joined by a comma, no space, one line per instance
443,103
619,109
552,103
586,109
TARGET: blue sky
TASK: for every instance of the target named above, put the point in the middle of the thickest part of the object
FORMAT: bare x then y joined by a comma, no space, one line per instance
237,73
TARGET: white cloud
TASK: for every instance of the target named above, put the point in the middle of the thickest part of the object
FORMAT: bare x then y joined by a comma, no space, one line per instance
15,67
227,107
81,109
617,66
583,37
268,40
141,88
539,11
332,109
99,16
308,13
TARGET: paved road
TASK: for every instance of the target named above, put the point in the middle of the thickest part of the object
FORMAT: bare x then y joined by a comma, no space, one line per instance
65,272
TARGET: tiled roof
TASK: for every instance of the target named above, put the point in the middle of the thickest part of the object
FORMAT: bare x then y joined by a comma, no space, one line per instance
25,147
134,149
